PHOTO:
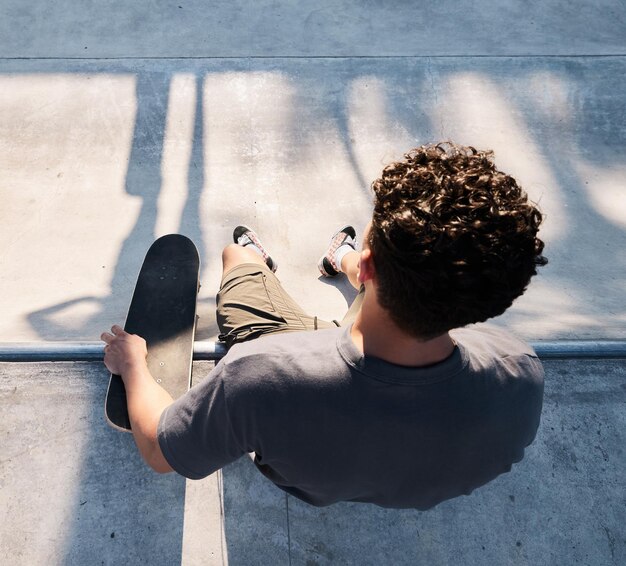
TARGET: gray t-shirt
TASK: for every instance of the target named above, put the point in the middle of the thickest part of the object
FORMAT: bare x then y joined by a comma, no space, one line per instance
328,424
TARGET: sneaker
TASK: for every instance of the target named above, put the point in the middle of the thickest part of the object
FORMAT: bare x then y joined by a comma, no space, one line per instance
245,236
327,263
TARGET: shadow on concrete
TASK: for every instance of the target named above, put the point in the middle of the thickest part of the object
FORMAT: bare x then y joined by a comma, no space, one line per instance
74,491
591,116
124,511
144,180
343,286
190,222
413,90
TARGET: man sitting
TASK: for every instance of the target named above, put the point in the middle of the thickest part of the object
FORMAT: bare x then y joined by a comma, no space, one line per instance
398,404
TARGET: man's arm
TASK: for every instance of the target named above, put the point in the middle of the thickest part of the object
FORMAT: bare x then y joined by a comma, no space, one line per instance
125,355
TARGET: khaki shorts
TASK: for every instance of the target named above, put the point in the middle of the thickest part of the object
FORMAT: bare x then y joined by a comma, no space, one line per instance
252,302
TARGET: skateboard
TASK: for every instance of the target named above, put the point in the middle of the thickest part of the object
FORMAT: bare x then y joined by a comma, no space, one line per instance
163,312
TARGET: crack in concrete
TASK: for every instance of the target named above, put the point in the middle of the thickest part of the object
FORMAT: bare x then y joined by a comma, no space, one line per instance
611,540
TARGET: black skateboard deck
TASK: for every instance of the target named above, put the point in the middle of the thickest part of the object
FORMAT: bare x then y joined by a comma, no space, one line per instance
163,312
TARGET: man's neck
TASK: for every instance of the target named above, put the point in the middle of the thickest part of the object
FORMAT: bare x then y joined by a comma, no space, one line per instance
375,334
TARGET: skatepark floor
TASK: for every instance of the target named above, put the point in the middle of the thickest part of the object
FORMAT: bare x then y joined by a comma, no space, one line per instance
121,122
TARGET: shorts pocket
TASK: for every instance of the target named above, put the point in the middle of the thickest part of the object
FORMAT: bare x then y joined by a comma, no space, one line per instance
245,309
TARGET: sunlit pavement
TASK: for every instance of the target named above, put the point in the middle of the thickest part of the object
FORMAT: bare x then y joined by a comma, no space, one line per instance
120,123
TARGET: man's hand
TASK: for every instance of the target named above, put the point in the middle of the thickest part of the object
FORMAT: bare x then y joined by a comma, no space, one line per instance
123,352
125,355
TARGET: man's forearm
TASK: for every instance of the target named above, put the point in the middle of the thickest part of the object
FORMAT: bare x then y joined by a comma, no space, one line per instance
146,402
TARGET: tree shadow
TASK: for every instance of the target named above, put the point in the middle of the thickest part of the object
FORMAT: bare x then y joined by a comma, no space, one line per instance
586,261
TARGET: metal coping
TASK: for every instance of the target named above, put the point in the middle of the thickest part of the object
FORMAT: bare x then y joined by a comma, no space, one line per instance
85,351
207,350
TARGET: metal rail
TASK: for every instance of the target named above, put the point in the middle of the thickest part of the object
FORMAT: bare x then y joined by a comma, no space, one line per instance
207,350
580,349
85,351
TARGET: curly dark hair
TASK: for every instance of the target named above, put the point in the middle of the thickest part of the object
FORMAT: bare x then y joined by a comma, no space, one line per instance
454,240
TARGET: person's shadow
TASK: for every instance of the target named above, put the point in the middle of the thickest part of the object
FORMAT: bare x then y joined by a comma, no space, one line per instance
143,180
127,498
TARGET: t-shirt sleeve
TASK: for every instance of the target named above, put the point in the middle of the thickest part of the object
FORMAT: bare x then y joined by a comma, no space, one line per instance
195,432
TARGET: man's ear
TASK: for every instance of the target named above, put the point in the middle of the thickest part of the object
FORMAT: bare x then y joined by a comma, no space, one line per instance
366,266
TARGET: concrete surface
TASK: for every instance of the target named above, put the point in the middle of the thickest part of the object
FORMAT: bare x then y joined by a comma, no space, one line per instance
99,157
74,491
244,28
123,121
